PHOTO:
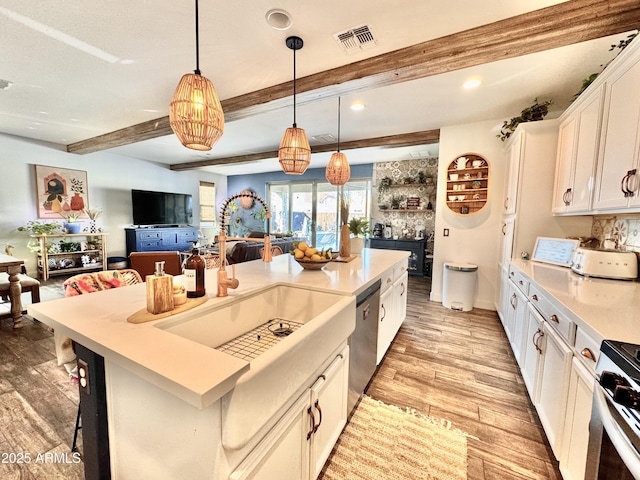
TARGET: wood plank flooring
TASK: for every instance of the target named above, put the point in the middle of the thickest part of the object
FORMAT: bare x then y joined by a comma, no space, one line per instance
459,366
446,364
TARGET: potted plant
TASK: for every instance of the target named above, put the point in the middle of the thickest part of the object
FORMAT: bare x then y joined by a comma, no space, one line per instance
359,228
535,112
39,228
383,186
395,201
71,224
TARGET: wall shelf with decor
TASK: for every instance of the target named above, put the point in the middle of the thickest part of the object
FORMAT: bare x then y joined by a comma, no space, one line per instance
68,254
467,184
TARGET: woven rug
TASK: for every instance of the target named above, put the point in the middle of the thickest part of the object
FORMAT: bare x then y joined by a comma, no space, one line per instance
386,443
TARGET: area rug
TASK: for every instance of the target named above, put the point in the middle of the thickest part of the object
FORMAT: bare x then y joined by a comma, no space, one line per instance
387,443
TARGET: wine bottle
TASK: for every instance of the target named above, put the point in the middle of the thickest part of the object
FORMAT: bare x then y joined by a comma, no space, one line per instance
194,275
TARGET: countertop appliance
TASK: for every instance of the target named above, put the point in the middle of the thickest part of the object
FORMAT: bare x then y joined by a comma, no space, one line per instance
387,231
614,430
377,230
605,263
363,344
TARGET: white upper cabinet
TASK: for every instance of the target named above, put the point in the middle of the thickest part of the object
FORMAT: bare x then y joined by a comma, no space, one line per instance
617,178
514,153
577,155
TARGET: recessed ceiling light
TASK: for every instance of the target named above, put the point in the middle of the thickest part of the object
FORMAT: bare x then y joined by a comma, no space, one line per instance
357,106
472,83
278,19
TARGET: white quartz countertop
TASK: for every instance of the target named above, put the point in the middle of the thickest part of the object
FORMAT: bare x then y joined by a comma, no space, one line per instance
609,308
99,322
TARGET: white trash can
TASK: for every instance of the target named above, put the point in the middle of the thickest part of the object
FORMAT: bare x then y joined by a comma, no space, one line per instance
459,285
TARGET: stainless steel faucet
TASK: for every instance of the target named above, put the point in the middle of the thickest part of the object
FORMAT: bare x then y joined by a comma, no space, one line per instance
224,282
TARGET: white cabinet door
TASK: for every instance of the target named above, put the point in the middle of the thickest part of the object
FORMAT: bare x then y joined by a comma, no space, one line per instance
386,323
503,296
620,142
576,430
577,156
284,452
564,164
507,230
532,352
513,171
329,400
400,301
517,311
300,443
554,385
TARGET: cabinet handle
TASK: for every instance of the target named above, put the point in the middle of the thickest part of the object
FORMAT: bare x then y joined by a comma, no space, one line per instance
384,312
567,197
554,318
540,334
506,203
514,301
317,405
587,353
534,297
504,229
631,182
313,423
624,183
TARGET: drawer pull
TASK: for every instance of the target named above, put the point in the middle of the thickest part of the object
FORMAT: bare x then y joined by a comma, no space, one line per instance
534,297
520,282
389,280
587,353
554,318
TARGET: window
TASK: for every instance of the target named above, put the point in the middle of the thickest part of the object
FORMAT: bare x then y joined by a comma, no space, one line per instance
311,210
207,194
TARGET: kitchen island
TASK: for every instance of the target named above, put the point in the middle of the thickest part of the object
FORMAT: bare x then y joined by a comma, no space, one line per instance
167,397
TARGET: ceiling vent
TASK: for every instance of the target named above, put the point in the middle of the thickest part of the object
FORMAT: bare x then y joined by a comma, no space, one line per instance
322,139
356,39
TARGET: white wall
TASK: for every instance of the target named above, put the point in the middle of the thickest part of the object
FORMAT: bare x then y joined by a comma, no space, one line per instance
110,178
472,238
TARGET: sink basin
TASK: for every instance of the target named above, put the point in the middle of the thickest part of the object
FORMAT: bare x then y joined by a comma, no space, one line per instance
276,374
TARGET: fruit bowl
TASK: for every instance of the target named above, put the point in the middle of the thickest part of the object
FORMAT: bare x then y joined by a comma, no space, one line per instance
312,264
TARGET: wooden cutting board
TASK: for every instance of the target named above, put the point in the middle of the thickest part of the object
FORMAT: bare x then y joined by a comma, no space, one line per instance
344,259
143,315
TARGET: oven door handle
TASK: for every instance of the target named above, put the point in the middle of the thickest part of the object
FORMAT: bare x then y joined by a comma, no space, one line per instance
620,441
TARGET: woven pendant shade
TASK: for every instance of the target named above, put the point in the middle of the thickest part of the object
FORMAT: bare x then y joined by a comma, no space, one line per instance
195,113
338,171
294,153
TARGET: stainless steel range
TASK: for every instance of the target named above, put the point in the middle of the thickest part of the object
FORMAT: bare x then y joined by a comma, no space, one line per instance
614,431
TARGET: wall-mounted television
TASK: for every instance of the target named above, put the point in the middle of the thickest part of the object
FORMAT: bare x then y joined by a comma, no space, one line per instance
161,208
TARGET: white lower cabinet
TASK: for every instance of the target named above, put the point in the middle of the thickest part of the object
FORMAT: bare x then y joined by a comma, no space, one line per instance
300,443
393,307
517,312
576,430
531,352
554,384
386,325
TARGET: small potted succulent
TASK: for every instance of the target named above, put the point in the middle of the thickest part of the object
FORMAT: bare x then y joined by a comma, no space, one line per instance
71,224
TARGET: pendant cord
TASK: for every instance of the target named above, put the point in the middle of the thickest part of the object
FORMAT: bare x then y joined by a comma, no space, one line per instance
197,70
294,88
339,124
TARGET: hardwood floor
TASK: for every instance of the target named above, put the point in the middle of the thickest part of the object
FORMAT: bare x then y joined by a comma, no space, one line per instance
459,366
446,364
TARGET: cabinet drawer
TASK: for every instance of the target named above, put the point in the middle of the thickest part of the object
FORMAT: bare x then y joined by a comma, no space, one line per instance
149,235
150,244
186,235
399,270
587,349
519,280
551,313
387,280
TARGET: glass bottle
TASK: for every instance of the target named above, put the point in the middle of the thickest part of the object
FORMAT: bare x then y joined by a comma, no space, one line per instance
194,269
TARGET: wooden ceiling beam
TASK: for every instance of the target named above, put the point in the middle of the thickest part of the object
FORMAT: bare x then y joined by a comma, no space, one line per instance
566,23
426,137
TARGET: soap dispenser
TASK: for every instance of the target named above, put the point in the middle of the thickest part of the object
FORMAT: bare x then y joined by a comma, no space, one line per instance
159,291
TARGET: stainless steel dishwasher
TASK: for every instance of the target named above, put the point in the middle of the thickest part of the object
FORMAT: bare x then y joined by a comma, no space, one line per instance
363,343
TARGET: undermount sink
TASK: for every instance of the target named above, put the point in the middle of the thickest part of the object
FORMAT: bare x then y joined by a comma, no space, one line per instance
321,321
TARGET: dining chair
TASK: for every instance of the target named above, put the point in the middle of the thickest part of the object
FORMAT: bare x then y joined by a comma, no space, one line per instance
145,262
27,283
275,250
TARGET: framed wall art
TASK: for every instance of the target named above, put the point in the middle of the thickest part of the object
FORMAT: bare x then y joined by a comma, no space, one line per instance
61,192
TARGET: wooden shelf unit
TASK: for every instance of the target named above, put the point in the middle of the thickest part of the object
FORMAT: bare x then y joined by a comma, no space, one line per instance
54,263
472,183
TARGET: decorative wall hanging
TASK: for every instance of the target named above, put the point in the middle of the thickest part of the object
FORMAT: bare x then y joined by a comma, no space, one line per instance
61,192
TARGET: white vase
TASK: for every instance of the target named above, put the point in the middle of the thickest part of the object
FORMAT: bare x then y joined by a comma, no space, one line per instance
357,244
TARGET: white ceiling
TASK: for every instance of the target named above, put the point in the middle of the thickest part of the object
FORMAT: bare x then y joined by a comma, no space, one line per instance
80,69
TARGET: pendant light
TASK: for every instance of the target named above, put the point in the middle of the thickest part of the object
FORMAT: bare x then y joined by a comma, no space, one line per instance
195,113
338,170
294,153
